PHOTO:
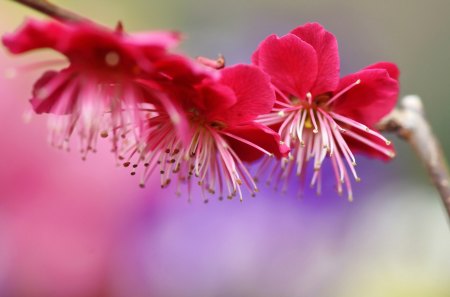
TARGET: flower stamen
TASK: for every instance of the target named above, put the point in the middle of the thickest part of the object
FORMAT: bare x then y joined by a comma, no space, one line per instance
342,92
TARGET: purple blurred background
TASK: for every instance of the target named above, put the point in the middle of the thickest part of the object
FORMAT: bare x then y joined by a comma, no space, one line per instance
84,228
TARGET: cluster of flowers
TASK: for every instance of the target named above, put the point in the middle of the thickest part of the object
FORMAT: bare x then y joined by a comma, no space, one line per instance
198,121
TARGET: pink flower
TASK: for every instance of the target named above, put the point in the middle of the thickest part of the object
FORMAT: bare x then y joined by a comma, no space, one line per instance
319,115
222,133
97,92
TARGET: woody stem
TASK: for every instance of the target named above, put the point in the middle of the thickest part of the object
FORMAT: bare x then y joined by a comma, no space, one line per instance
52,10
409,122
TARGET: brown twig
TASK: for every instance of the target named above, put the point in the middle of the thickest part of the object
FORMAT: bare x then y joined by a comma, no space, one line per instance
409,122
52,10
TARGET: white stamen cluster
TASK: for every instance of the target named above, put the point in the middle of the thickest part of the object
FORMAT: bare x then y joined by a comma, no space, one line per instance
314,132
207,159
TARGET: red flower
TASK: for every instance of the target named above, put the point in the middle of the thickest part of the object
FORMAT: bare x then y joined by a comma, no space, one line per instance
222,132
97,92
316,113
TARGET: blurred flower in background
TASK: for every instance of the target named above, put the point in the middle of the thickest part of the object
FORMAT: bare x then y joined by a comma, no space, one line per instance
74,228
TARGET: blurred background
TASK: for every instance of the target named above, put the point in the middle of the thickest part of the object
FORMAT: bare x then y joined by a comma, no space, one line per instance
74,229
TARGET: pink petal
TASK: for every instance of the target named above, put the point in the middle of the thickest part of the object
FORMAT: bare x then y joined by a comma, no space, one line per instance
253,92
326,47
290,62
165,39
259,135
369,101
52,93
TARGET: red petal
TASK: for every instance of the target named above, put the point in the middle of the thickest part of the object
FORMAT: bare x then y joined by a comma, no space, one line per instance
326,47
261,136
182,70
369,101
391,68
290,62
34,34
215,98
253,92
155,38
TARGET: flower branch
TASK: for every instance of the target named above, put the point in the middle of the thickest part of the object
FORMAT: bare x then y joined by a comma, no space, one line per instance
52,10
409,123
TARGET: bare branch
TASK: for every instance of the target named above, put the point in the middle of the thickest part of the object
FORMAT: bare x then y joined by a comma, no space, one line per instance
52,10
409,122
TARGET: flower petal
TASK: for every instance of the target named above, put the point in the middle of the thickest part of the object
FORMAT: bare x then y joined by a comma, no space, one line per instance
391,68
290,62
164,39
182,70
35,34
254,94
371,99
215,98
326,47
259,135
55,92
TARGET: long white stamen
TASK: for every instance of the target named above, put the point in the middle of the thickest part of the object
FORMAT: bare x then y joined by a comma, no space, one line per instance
247,142
359,126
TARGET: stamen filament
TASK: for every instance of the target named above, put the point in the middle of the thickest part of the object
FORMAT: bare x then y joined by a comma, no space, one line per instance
342,92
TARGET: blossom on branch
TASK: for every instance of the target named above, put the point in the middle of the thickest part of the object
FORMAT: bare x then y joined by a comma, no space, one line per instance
319,114
97,93
221,129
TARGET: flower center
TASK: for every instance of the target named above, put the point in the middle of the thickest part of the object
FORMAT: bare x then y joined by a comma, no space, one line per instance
313,131
112,59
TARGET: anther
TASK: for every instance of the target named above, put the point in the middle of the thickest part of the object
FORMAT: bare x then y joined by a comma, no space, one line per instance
350,197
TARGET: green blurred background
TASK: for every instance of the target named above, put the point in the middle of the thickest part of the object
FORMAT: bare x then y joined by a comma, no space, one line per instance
398,241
